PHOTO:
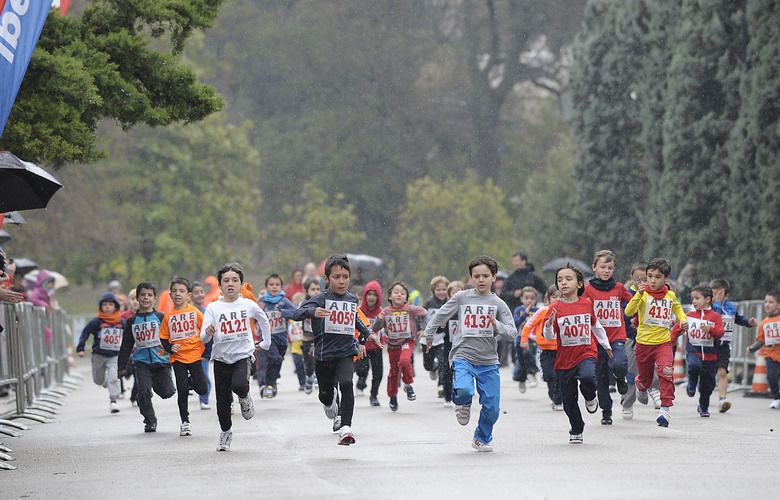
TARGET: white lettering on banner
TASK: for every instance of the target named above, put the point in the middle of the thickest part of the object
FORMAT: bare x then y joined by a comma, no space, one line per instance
772,334
146,334
728,328
476,320
658,312
696,334
233,327
608,312
183,325
341,317
398,325
110,338
575,330
276,321
11,28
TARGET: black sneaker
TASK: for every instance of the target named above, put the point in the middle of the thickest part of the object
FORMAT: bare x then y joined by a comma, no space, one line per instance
394,403
606,417
410,395
622,385
151,426
374,401
361,384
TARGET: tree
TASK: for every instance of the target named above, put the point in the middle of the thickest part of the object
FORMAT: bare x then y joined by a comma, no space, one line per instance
102,65
445,224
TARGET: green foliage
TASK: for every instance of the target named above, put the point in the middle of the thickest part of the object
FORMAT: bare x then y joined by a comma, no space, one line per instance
445,224
322,224
102,65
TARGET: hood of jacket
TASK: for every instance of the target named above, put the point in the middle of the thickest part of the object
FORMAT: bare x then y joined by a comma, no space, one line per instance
372,286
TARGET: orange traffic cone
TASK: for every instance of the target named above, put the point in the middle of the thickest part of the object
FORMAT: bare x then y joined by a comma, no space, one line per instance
760,385
679,364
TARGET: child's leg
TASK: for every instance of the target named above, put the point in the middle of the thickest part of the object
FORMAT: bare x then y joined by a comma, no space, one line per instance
204,398
343,372
428,358
394,356
275,358
197,378
547,360
516,359
223,375
446,373
630,396
568,382
664,367
694,371
99,369
724,356
489,389
308,357
182,388
463,382
162,383
618,365
405,363
143,380
112,378
261,366
299,370
707,382
602,380
239,378
375,358
773,377
586,374
645,364
530,358
326,377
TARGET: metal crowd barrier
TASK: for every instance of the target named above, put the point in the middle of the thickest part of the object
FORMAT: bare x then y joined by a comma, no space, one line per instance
34,363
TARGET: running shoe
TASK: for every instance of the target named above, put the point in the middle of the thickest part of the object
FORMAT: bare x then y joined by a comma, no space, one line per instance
592,406
447,404
655,395
346,437
627,413
309,385
150,426
622,385
393,403
557,407
703,412
337,423
606,417
532,381
113,407
521,386
205,406
775,404
690,390
663,418
575,438
225,439
360,385
268,392
247,407
463,414
434,374
332,410
724,405
641,396
185,429
480,446
410,395
374,401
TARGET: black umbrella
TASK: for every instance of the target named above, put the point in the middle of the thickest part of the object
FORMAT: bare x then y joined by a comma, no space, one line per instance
560,262
23,185
14,218
24,266
4,237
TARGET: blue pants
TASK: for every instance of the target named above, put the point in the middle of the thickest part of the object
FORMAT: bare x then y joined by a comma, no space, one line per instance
547,359
275,356
618,366
585,372
489,389
205,397
773,377
702,373
524,360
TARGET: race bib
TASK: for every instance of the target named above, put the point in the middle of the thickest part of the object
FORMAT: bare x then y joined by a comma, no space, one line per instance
658,312
146,334
233,327
608,312
341,317
575,330
183,325
398,325
696,334
296,332
276,322
475,320
307,326
728,328
110,338
771,334
452,326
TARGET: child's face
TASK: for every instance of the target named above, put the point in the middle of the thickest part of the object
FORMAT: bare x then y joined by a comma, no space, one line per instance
297,277
338,279
313,289
133,303
107,307
567,283
371,299
699,301
482,278
146,299
719,294
398,296
440,291
638,277
230,284
274,286
655,279
555,297
179,295
529,300
771,305
453,290
198,295
604,269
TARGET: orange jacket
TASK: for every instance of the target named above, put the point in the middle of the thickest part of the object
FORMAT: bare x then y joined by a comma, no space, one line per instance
536,325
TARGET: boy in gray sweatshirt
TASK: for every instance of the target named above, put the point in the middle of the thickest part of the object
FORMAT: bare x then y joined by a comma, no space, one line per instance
483,319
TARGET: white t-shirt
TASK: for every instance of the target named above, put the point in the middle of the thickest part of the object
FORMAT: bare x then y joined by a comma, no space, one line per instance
233,329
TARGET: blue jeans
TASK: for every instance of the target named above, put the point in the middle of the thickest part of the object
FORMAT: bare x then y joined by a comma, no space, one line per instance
275,357
547,359
524,360
773,377
618,365
489,389
585,372
702,373
205,397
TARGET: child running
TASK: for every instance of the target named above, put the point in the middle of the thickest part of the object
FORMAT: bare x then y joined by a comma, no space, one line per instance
450,330
572,320
728,313
107,329
371,305
229,322
524,350
152,365
768,340
399,322
334,318
482,319
433,361
535,327
657,307
311,288
705,326
279,309
608,297
180,336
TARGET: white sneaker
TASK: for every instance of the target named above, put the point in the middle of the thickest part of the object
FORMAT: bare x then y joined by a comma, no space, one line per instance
113,407
641,396
532,382
247,407
628,413
663,417
337,423
463,414
575,438
332,410
556,407
775,405
592,406
521,386
448,404
655,395
225,439
205,406
185,429
480,446
346,437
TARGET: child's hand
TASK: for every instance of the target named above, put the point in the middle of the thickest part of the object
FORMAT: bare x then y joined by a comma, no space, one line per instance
429,344
684,326
361,351
752,322
493,322
641,287
523,345
609,353
210,330
175,348
705,328
550,318
321,312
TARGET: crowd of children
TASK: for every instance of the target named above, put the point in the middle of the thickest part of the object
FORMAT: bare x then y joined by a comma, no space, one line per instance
585,336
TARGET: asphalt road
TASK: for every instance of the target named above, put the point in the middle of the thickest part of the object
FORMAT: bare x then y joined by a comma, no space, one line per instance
288,451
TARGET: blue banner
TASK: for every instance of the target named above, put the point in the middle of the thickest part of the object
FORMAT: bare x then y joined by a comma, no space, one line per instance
21,22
